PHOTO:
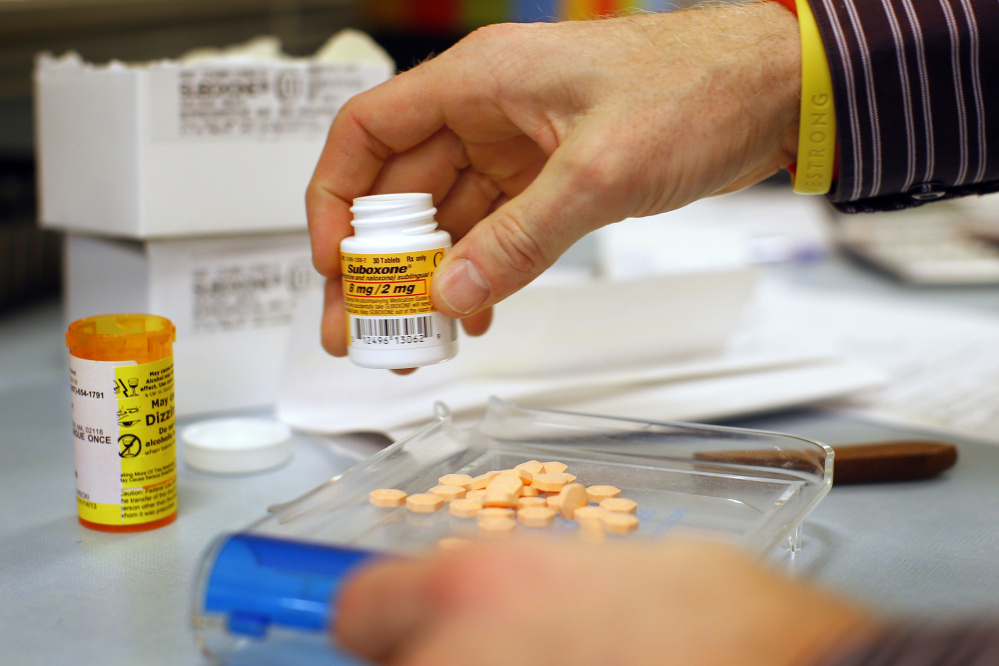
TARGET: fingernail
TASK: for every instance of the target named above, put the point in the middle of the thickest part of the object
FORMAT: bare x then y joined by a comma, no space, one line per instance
462,287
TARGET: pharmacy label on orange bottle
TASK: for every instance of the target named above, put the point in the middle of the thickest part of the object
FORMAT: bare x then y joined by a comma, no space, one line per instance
125,440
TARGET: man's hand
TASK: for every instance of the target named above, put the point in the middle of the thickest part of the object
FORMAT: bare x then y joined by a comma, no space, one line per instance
529,136
537,602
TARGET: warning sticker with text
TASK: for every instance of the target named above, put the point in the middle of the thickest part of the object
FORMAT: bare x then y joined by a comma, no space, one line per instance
123,428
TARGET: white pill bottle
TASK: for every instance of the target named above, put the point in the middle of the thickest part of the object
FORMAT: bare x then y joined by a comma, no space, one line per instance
388,265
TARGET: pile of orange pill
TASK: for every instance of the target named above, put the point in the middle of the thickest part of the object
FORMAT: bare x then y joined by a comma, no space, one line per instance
533,494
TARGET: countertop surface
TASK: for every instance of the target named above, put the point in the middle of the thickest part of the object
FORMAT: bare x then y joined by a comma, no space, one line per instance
927,549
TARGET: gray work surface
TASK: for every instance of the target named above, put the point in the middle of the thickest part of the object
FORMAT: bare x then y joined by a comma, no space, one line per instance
69,595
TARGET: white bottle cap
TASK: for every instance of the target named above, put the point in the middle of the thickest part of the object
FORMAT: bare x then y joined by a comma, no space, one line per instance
236,445
407,214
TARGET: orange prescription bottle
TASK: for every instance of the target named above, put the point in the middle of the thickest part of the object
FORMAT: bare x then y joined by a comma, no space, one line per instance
121,380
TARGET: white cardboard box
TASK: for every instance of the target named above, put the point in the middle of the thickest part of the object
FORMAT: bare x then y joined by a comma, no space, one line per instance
232,300
214,146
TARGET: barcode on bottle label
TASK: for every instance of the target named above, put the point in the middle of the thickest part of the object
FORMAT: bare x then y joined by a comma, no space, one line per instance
401,332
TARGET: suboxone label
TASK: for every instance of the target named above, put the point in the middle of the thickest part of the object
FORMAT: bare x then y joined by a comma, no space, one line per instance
387,298
124,440
282,102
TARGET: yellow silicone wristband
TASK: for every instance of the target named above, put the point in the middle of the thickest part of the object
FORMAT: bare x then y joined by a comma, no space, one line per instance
817,129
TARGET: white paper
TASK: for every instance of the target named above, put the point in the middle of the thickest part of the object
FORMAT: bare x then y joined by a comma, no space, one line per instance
941,363
748,375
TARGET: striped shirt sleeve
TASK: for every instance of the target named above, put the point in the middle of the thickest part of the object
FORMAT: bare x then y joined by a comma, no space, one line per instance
975,644
916,86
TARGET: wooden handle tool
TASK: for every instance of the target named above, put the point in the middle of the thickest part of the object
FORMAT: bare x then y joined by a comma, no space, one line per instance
875,462
905,460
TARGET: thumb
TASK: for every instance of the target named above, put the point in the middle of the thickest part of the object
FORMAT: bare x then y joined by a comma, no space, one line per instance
520,240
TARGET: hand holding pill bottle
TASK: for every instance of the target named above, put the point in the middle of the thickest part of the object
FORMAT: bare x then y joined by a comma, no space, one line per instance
529,136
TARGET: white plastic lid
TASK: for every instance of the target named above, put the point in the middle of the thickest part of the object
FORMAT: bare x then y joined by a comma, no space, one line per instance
236,445
404,212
